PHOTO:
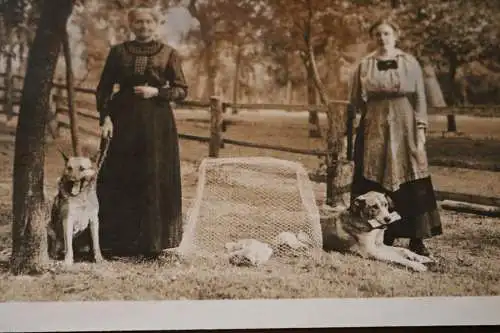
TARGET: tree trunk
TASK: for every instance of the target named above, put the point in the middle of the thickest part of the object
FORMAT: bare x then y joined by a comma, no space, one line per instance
314,126
9,91
452,73
236,79
338,173
464,91
211,71
29,239
289,92
73,118
210,54
199,86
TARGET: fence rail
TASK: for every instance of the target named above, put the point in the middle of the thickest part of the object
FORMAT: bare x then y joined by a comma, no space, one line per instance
218,123
478,110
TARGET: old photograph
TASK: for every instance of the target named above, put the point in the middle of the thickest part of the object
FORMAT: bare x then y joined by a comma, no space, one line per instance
188,150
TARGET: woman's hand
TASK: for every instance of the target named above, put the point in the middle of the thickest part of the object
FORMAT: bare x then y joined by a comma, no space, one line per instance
421,154
107,128
421,137
146,91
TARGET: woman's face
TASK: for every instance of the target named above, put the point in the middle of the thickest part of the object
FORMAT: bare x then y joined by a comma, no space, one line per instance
143,25
384,36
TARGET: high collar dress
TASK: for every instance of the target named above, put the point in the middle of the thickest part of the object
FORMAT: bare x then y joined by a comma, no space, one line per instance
139,187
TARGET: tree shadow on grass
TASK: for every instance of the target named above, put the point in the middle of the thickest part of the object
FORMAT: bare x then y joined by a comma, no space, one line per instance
464,153
4,266
478,239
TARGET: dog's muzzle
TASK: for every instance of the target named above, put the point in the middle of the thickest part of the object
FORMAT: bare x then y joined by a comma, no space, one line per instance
74,187
376,224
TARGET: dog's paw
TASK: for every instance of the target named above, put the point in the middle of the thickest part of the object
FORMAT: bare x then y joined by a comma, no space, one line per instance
425,260
416,257
68,262
99,260
418,267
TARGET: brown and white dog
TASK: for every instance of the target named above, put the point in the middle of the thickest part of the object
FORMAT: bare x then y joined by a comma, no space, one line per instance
360,229
75,209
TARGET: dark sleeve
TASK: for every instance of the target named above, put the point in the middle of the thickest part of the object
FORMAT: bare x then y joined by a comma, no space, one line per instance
105,87
177,88
355,98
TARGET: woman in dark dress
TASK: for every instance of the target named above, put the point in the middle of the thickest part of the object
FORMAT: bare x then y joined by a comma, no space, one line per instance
390,154
139,187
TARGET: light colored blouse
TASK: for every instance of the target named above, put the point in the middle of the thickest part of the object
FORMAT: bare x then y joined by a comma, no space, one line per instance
407,79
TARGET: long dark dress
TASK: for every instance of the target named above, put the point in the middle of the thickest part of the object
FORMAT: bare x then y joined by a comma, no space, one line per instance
392,102
139,187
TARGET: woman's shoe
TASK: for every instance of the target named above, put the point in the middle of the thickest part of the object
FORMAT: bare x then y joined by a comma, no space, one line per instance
417,245
149,256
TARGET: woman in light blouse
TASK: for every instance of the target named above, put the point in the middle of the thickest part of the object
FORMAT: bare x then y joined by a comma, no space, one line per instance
390,155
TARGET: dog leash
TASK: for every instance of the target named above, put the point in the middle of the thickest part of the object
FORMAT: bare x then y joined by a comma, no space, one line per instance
103,153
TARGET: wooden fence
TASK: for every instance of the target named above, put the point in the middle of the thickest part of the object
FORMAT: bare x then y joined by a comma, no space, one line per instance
217,108
11,89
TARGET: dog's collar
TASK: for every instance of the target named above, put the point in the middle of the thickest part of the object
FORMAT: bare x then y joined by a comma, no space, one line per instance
374,224
379,227
394,217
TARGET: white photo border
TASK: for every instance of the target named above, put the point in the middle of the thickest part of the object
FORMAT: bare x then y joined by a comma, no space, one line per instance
249,314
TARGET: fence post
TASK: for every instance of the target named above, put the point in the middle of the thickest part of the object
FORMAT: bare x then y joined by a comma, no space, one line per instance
451,122
58,102
223,125
215,126
338,170
224,122
52,114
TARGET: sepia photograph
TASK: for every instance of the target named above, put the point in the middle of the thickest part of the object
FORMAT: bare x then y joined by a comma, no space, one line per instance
312,152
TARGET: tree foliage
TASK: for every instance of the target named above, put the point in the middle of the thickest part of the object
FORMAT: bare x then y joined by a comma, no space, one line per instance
452,33
464,30
221,25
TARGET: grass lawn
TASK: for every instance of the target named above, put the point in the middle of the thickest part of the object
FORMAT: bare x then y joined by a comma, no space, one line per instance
468,252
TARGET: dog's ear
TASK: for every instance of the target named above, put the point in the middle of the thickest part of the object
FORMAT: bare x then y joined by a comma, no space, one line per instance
64,156
390,202
358,204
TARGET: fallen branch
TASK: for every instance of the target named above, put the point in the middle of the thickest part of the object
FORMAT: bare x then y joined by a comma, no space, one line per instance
466,197
466,207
